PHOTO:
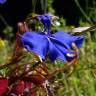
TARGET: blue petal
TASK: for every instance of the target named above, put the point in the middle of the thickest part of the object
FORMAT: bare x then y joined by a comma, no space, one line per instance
2,1
46,20
43,45
54,53
35,42
49,18
69,39
59,51
63,44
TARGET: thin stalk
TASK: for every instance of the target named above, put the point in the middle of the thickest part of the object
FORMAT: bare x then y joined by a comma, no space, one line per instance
3,20
86,1
34,5
94,5
82,11
44,5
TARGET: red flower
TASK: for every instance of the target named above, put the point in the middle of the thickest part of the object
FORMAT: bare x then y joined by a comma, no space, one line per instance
23,88
3,86
29,88
18,89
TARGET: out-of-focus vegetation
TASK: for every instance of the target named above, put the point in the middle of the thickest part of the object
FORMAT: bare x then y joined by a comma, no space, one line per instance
80,79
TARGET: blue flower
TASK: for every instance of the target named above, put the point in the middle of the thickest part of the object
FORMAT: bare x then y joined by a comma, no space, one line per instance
2,1
46,20
56,46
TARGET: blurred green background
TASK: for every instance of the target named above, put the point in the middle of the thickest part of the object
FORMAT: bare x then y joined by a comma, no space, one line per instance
80,80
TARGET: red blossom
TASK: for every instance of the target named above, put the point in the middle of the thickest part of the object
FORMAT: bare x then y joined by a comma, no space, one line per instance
3,86
19,88
22,88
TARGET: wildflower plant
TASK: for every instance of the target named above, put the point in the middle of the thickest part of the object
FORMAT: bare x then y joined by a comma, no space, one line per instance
56,46
43,45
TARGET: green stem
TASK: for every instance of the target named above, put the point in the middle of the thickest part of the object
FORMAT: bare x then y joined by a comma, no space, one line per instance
44,5
86,1
82,11
34,5
3,20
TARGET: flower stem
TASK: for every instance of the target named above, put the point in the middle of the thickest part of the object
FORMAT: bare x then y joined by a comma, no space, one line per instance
3,20
82,11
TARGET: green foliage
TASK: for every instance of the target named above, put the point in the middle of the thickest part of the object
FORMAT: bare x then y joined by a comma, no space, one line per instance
79,80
